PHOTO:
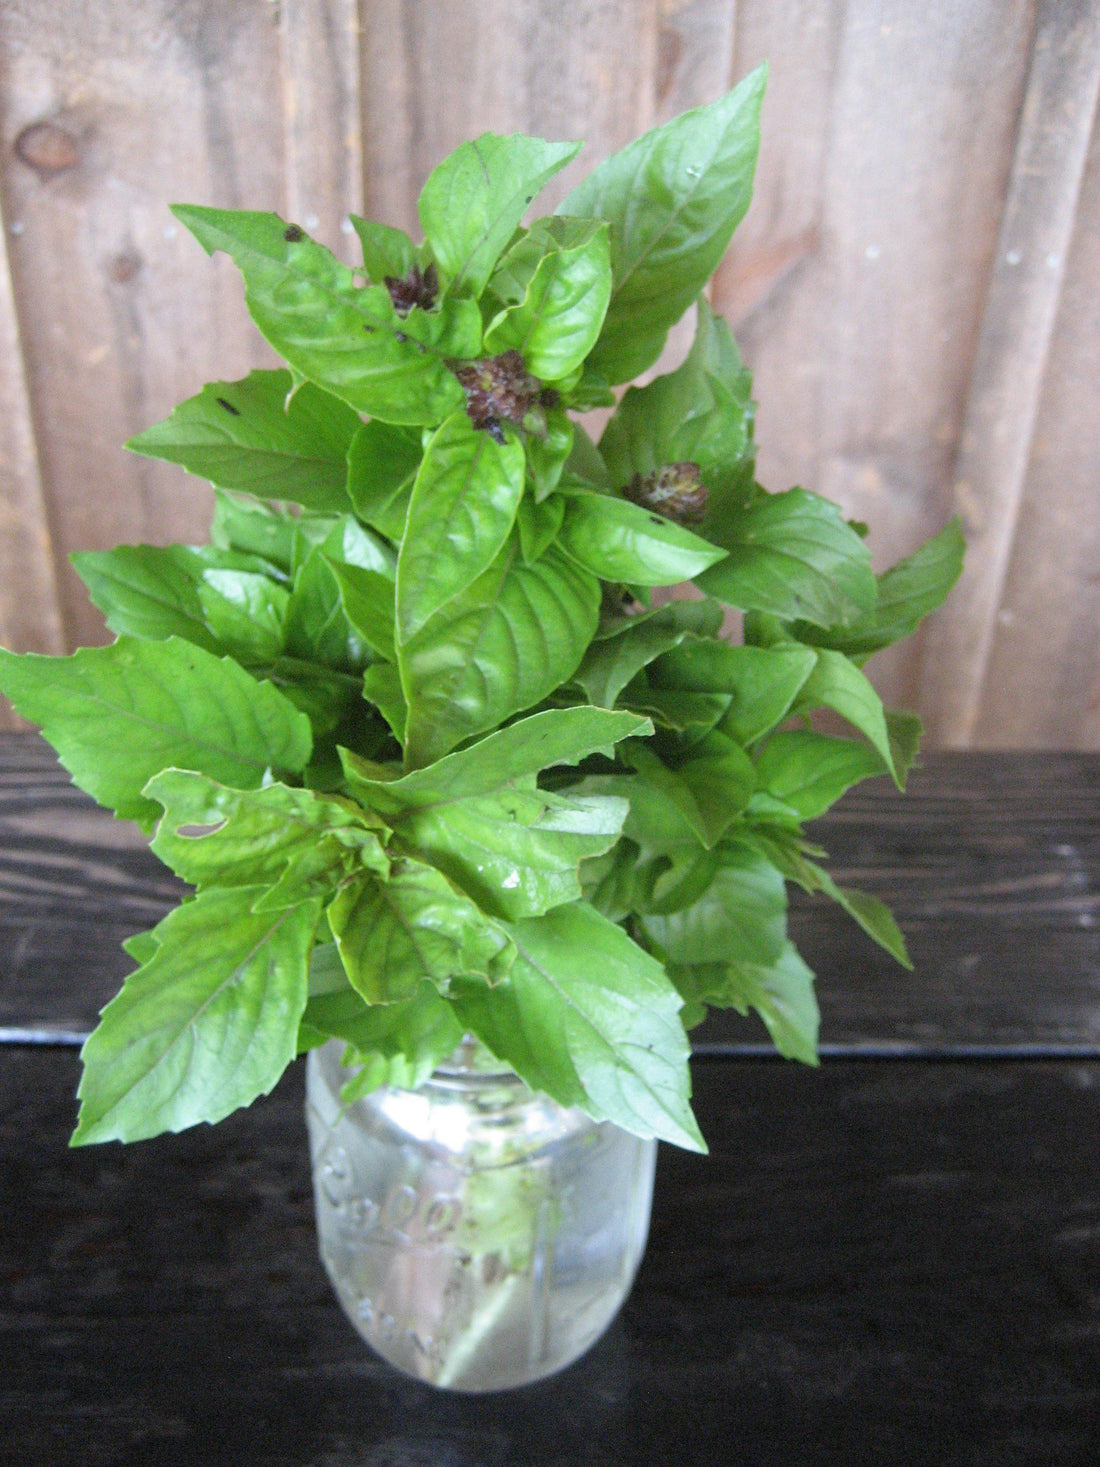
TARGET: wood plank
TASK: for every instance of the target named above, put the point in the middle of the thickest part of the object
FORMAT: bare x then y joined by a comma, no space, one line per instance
991,862
1042,682
1012,358
857,279
323,107
136,105
902,1256
436,74
30,617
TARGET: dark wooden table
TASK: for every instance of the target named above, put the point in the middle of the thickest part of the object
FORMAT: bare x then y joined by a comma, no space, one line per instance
893,1259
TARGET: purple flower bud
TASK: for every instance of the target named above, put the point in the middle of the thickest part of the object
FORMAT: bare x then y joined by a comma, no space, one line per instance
415,288
498,390
675,491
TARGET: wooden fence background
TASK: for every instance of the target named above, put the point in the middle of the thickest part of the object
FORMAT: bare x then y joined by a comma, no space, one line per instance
917,285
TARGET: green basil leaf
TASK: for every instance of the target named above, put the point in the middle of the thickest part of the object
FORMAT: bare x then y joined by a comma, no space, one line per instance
248,526
710,788
741,918
351,543
906,594
788,853
148,591
382,464
393,933
692,715
904,730
461,512
517,852
792,555
511,279
620,541
761,682
657,823
611,882
140,947
782,993
253,436
695,174
680,884
701,413
525,748
397,1044
556,324
477,816
209,1023
117,715
538,524
368,601
588,1017
337,334
386,251
585,461
721,779
626,644
382,687
868,912
246,612
473,201
250,837
838,684
504,644
810,771
547,452
318,628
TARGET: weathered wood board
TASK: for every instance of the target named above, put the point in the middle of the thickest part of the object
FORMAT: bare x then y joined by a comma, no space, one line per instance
914,286
876,1263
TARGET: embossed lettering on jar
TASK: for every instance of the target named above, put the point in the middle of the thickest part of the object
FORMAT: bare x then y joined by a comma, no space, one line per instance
478,1235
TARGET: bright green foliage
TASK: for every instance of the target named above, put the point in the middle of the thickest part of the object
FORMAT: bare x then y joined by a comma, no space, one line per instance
118,715
588,1017
702,412
473,201
414,923
556,322
508,641
620,541
409,725
791,555
695,178
256,437
206,1025
461,512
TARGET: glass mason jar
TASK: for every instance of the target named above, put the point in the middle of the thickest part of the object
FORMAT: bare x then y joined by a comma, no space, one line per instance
478,1235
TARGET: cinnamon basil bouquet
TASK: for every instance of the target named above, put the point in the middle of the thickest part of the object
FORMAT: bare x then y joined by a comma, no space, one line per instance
410,726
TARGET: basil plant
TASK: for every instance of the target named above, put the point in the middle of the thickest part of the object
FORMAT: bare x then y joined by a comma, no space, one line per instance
411,727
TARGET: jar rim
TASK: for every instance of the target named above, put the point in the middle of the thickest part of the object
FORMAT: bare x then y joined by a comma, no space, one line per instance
472,1058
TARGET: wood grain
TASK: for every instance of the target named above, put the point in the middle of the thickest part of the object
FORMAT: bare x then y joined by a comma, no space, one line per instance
122,314
437,73
1041,684
29,613
991,471
858,278
323,107
896,1263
